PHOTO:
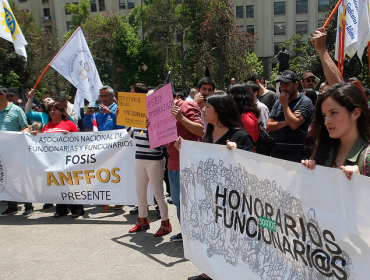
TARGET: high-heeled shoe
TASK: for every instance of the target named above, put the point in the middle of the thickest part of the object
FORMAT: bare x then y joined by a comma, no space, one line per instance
164,229
140,226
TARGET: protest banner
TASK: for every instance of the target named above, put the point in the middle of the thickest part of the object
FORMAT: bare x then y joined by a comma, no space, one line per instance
256,217
132,109
162,128
77,168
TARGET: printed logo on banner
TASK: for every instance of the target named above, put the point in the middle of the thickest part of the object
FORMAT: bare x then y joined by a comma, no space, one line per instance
2,175
81,70
242,217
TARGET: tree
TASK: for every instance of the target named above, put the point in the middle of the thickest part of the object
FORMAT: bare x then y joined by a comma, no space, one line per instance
115,48
80,13
40,50
254,65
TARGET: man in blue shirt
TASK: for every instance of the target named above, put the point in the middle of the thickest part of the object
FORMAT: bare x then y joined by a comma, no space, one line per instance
290,118
106,118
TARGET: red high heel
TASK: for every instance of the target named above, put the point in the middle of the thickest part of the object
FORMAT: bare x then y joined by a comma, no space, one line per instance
164,229
140,226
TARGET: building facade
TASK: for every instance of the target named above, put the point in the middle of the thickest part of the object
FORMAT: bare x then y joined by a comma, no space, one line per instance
272,21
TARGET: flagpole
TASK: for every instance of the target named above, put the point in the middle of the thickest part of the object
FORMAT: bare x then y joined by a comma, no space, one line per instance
42,74
332,13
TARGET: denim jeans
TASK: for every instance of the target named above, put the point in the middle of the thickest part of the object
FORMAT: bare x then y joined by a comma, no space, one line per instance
174,177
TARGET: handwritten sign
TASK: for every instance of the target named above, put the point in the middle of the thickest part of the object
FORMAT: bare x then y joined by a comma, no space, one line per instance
162,128
132,109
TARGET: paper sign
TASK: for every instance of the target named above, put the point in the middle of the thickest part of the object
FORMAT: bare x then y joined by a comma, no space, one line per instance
132,109
162,128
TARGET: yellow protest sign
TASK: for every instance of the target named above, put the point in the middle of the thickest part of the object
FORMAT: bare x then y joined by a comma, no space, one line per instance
132,109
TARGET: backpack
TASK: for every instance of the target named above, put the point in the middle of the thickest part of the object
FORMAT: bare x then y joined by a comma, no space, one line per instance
264,142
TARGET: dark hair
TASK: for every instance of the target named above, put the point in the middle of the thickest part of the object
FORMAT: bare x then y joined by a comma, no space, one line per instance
346,95
251,77
253,86
366,90
12,91
243,98
59,107
43,107
271,87
3,90
206,81
61,97
140,88
181,95
311,94
227,112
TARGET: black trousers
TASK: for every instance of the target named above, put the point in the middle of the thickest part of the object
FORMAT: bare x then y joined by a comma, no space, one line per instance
61,209
295,156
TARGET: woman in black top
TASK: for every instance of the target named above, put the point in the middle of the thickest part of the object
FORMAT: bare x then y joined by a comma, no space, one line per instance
224,127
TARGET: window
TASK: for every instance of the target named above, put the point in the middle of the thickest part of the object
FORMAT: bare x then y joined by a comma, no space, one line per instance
68,26
240,28
130,4
301,7
279,8
301,27
250,29
239,11
46,13
22,0
279,28
276,48
323,5
67,12
43,1
122,4
93,6
102,5
250,11
320,23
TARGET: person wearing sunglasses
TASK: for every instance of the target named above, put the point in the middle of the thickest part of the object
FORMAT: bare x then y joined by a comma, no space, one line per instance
309,80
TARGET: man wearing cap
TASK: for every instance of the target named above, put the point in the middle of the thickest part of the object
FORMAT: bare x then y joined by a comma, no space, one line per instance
309,80
290,118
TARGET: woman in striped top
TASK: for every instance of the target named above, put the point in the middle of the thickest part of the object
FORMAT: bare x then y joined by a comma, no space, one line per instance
149,166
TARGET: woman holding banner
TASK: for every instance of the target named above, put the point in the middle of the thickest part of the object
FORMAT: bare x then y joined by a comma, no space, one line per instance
58,121
342,123
225,127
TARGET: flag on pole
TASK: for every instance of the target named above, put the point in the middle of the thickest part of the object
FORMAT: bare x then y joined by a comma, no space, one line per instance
9,29
75,63
169,81
357,27
363,27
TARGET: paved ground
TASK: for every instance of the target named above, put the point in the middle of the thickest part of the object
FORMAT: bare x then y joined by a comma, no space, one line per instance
96,246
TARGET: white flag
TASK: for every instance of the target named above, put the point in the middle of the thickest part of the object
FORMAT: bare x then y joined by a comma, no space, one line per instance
9,29
351,10
363,27
75,63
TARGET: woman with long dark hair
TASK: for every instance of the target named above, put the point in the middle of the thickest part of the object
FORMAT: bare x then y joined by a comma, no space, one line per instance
224,127
248,110
341,123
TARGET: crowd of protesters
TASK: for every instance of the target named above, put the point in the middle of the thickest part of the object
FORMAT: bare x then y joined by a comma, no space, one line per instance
329,127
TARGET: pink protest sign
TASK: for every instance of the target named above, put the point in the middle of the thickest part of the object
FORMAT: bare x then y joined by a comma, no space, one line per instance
162,128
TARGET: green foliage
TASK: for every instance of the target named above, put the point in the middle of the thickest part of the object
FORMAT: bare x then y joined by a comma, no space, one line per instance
10,80
254,65
80,13
115,48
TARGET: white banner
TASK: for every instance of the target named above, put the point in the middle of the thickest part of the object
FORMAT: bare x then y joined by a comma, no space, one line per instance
77,168
253,217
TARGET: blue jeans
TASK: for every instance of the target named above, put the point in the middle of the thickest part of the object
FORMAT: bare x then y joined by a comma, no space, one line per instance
174,178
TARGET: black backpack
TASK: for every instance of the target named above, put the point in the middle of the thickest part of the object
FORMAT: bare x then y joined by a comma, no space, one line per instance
265,141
